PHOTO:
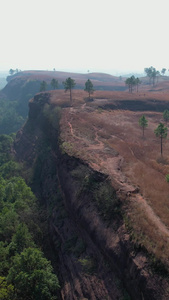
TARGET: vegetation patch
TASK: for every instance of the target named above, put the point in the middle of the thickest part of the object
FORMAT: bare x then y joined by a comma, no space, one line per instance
70,244
22,262
67,147
108,203
142,242
158,267
10,119
75,246
53,115
99,189
88,264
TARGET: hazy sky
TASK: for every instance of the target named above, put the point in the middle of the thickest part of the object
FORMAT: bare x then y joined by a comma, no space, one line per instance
82,35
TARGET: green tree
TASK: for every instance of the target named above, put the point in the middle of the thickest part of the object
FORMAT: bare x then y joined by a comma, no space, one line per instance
69,84
127,82
17,204
158,75
11,71
137,82
10,118
54,83
143,123
167,177
166,115
161,131
6,290
163,71
4,259
43,86
5,148
21,239
148,73
131,82
8,223
89,87
32,276
10,169
151,73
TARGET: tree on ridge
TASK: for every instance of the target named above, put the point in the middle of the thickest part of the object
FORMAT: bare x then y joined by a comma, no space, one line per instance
151,73
163,71
161,131
166,115
69,84
143,123
137,82
43,86
89,87
131,81
54,83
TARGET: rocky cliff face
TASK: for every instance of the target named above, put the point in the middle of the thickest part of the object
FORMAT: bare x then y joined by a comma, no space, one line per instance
95,257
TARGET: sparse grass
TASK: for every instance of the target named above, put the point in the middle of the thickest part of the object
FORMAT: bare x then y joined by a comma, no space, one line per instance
145,234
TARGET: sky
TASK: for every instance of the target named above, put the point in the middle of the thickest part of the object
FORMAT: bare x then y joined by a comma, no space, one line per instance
111,36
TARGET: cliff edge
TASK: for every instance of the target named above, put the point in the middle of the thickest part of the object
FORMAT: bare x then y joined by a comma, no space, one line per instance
78,166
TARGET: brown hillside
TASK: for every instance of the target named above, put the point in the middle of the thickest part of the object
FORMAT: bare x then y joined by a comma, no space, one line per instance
98,145
111,142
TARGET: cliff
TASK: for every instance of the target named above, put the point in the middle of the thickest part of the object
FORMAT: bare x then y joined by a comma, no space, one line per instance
86,207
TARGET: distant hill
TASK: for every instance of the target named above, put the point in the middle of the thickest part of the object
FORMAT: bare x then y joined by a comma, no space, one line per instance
3,81
22,86
101,81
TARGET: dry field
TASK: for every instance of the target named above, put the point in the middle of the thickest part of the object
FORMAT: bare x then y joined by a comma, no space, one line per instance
111,142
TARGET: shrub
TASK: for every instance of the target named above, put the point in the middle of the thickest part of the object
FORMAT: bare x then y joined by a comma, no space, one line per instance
167,177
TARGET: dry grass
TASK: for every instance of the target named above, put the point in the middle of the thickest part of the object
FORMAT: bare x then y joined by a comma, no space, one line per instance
144,232
79,96
98,136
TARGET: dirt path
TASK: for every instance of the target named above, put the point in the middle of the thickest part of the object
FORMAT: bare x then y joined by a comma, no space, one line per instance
71,129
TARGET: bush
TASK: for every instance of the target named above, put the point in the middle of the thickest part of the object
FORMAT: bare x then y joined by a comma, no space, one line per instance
88,264
167,177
